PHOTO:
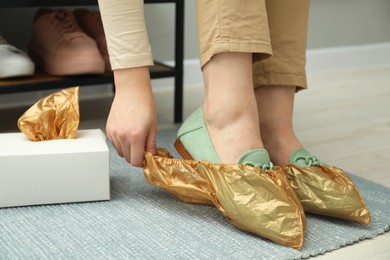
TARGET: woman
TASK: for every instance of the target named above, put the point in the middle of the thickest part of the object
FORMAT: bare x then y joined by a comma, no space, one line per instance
252,56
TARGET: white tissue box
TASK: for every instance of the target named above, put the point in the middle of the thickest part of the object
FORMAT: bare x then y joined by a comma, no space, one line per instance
57,171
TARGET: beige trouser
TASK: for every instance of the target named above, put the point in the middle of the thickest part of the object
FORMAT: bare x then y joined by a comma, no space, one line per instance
126,35
273,30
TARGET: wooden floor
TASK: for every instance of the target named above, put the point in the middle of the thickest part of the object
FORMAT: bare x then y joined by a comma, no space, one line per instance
344,118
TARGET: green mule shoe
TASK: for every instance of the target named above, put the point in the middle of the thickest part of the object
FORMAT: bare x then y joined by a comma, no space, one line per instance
194,143
325,190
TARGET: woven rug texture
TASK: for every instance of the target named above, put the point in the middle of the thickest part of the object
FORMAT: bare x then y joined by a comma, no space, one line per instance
143,222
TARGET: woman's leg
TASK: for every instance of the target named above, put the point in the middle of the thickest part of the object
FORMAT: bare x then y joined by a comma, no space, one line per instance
230,108
229,32
277,78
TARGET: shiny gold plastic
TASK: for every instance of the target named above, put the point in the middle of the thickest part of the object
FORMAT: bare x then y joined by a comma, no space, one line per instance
328,191
253,200
53,117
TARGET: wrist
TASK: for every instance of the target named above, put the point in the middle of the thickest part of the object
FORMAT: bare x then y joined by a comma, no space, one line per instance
132,79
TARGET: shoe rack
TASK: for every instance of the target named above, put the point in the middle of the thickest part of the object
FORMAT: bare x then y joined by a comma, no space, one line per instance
41,81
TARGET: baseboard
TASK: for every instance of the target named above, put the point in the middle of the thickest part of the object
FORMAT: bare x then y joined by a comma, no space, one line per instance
192,76
318,60
348,57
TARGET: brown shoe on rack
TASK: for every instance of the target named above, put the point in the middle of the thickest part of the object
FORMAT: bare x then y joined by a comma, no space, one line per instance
90,22
60,47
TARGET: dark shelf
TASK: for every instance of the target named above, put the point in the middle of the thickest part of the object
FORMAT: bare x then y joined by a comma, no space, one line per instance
41,81
54,3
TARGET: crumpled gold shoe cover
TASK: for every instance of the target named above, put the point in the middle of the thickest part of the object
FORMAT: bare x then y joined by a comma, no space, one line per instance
328,191
253,200
53,117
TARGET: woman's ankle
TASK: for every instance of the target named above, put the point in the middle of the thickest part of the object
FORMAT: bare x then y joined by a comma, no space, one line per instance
280,145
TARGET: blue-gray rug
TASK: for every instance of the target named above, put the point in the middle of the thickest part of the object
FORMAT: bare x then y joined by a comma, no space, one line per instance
144,222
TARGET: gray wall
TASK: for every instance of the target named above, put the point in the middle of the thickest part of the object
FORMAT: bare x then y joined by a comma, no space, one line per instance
332,23
348,22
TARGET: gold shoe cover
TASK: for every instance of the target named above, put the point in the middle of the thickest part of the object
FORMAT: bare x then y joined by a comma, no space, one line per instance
53,117
253,200
328,191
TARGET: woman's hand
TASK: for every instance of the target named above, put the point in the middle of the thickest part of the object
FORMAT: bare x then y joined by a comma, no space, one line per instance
132,122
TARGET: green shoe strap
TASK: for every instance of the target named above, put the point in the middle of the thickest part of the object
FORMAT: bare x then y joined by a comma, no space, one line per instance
257,157
302,158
